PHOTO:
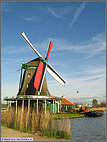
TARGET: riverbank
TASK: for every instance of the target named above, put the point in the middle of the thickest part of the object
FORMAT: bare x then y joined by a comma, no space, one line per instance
33,122
64,116
95,108
11,133
99,108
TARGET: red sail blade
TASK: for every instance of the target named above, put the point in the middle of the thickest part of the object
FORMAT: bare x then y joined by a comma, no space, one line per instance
49,49
42,78
38,75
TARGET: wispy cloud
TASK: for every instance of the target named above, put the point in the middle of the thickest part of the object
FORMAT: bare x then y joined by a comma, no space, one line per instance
12,49
93,47
88,99
91,79
96,45
30,19
78,12
53,12
88,86
95,70
60,12
90,48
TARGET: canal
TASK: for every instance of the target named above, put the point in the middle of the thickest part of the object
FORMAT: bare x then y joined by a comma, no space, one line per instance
89,128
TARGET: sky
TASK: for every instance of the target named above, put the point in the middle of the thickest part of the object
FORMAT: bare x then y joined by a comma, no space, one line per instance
77,31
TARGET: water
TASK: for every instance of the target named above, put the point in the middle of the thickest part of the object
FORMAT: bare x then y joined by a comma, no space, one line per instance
82,129
89,128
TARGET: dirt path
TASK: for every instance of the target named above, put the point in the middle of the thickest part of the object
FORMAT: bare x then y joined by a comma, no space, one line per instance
10,133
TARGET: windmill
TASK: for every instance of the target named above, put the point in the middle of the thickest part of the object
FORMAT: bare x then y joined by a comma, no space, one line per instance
40,67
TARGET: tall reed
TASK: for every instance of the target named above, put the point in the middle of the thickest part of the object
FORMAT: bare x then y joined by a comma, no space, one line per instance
31,121
27,120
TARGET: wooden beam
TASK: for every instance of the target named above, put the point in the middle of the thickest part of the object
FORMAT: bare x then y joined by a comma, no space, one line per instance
16,106
53,105
10,103
22,105
7,104
29,105
45,106
37,105
58,106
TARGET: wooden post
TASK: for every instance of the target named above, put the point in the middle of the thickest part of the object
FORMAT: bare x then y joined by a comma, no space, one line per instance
16,106
53,105
27,117
10,103
22,105
45,106
22,115
37,105
7,104
29,105
58,106
73,106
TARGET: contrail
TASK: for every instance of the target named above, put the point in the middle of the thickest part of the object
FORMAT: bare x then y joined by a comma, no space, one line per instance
78,12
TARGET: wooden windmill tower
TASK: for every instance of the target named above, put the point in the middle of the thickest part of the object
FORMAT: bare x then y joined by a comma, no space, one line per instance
34,81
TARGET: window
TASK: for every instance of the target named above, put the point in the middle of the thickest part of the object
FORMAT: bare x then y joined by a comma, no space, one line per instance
28,75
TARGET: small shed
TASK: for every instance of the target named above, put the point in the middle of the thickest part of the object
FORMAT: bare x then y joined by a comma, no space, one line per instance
66,105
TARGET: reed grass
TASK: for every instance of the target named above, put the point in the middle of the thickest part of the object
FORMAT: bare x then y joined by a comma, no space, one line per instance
33,122
27,120
57,134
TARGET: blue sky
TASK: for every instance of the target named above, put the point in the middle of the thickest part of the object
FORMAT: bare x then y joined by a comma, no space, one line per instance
77,31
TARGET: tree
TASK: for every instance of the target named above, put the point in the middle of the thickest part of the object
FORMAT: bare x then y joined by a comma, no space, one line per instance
95,103
103,104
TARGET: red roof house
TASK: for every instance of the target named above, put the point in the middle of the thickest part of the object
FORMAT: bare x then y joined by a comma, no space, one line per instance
66,102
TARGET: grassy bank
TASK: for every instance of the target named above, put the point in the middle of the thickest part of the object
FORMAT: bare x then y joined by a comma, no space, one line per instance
57,134
63,116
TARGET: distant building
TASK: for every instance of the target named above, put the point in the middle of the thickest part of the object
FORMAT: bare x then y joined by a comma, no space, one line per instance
66,106
90,106
79,106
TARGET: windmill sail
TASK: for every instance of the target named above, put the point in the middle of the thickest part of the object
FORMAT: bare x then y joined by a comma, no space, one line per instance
55,75
24,36
42,78
38,76
49,49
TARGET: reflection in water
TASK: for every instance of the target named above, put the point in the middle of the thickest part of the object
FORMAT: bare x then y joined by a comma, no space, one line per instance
60,125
